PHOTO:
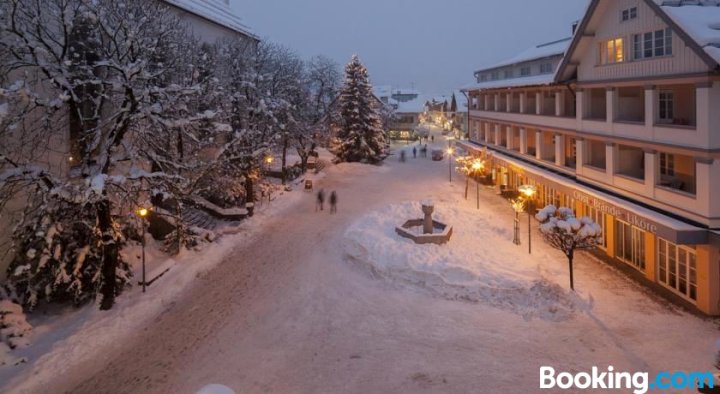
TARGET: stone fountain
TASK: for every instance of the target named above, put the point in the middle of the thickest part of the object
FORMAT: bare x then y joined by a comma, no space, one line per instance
426,230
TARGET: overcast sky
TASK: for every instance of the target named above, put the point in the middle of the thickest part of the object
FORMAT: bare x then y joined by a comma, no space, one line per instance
434,45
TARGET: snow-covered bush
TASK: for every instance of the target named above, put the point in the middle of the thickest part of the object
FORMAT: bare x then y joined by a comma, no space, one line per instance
563,231
14,328
59,252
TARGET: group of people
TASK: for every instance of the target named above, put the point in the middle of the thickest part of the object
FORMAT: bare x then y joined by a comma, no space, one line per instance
321,201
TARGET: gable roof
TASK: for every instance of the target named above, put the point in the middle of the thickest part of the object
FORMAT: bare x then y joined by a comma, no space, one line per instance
541,51
701,21
681,20
215,13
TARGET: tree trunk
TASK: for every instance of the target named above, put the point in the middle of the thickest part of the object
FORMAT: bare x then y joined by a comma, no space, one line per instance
284,160
108,285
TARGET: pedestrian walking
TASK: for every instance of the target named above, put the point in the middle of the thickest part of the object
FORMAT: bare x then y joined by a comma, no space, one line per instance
432,138
414,153
402,156
320,200
333,202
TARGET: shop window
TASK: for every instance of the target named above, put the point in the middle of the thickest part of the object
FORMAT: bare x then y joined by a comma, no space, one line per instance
630,244
598,217
677,268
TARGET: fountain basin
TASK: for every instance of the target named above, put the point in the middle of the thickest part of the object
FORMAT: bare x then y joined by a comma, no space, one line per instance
441,232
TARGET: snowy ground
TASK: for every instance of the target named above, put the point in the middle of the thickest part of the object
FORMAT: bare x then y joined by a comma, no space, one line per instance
285,309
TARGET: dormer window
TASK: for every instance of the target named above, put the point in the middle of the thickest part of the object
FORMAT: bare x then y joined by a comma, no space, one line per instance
628,14
507,74
546,68
525,71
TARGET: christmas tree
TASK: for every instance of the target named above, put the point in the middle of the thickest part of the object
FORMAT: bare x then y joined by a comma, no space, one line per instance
361,137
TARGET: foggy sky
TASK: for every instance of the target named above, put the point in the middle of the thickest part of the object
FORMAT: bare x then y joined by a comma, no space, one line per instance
434,45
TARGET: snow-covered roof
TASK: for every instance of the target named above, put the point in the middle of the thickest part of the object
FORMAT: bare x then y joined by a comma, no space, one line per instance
413,106
700,20
214,11
535,80
541,51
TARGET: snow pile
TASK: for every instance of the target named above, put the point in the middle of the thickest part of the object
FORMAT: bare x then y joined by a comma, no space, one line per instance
499,274
14,332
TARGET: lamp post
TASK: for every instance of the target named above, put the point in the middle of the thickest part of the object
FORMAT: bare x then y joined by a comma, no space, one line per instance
529,191
477,168
518,206
268,161
142,213
450,152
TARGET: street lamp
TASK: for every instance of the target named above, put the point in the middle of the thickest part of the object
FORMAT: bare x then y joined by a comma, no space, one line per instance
518,206
142,213
450,152
477,168
529,191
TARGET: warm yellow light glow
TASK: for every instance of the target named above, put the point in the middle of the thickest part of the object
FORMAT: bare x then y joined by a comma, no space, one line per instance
70,159
527,190
478,165
518,205
142,212
269,159
450,151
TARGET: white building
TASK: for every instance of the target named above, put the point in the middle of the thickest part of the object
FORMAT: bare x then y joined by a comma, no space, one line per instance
621,123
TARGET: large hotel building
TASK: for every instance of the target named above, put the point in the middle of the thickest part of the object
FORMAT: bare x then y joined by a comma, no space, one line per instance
621,122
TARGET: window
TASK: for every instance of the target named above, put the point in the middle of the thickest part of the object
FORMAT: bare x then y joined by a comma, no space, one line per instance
628,14
612,51
483,78
525,71
677,268
652,44
630,244
546,68
598,217
666,100
508,74
667,164
494,76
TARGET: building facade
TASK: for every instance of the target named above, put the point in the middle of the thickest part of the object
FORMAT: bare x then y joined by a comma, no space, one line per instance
622,124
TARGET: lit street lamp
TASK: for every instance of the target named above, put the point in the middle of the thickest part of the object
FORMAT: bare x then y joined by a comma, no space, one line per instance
450,152
477,167
142,213
529,191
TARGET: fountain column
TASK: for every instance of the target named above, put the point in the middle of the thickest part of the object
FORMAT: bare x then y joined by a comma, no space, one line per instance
428,209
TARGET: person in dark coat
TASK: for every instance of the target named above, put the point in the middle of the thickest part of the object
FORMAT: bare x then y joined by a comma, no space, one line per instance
414,152
320,200
333,202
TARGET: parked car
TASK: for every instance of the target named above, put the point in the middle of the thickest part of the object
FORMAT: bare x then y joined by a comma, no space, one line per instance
437,154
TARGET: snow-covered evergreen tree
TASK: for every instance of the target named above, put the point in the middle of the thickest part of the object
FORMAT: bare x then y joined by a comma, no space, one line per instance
361,137
566,233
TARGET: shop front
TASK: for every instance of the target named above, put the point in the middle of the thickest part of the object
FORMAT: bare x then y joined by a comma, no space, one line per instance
682,258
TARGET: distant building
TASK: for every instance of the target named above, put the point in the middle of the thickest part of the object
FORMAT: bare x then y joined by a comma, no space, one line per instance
621,124
408,105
